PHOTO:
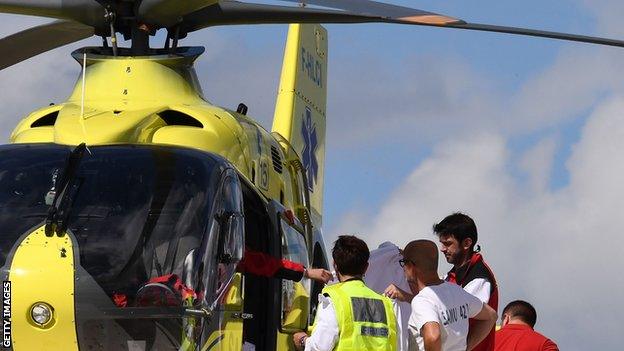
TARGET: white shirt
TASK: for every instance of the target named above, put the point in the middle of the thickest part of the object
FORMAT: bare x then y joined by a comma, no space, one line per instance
326,332
448,305
384,269
479,287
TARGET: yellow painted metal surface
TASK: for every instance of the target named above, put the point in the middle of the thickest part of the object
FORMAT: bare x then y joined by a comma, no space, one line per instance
132,83
42,270
124,102
296,319
302,100
230,334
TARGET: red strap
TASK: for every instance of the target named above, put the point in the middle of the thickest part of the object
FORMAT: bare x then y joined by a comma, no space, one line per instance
120,300
176,283
451,277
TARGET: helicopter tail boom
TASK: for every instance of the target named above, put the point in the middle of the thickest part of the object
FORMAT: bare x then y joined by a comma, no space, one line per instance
301,103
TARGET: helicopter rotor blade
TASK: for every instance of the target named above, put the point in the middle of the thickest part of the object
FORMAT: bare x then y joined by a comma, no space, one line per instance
192,15
414,16
538,33
384,10
89,12
228,12
165,13
36,40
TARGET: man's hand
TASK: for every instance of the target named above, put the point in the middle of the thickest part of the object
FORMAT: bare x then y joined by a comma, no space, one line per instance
394,292
297,340
319,274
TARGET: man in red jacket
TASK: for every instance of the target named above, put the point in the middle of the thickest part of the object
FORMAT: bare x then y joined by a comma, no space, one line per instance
458,239
517,333
265,265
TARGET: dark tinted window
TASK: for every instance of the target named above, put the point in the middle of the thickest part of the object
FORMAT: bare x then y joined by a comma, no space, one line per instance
140,212
137,212
26,174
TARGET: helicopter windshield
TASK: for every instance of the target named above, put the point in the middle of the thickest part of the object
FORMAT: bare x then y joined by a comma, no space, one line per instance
137,213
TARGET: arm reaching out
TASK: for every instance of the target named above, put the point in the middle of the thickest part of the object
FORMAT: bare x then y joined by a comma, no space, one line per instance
484,321
319,274
265,265
394,292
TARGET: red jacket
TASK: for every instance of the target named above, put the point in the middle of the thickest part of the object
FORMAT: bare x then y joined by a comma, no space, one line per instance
265,265
477,268
520,337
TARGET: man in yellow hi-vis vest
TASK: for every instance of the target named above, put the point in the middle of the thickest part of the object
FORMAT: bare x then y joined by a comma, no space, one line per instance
350,316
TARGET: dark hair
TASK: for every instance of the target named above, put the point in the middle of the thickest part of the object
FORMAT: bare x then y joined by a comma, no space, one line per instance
423,254
350,255
459,226
521,310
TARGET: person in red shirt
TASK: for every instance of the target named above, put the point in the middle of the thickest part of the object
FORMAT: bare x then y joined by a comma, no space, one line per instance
265,265
254,262
458,242
517,333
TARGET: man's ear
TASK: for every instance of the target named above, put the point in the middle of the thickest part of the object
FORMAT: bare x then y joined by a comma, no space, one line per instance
466,243
365,268
505,320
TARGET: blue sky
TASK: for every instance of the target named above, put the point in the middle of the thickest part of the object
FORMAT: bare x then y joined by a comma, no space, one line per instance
509,60
523,134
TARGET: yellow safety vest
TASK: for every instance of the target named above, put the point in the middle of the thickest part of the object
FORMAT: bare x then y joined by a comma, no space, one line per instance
365,319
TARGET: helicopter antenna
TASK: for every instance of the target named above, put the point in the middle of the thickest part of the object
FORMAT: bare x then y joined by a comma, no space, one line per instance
176,36
82,98
110,18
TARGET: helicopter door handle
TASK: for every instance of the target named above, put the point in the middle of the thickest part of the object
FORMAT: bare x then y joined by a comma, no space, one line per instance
242,316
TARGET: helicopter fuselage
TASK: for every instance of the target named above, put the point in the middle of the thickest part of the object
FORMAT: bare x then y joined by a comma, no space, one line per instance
135,103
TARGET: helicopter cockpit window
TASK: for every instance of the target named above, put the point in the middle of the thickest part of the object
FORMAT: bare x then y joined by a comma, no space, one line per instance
228,230
139,215
150,227
26,176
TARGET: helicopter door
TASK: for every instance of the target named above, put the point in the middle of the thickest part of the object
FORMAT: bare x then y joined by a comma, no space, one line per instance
295,304
224,296
260,292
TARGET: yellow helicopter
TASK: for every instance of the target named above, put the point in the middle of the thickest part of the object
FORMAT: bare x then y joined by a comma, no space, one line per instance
136,176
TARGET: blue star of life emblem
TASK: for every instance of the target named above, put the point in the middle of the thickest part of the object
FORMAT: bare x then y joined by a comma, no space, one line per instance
310,144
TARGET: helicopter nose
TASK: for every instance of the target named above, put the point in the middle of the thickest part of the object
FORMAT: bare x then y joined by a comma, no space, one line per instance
38,297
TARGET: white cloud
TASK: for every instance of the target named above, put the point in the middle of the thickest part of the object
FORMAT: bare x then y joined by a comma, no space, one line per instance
428,98
560,250
538,164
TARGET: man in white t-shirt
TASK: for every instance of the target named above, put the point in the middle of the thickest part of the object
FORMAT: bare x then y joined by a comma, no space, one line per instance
440,310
